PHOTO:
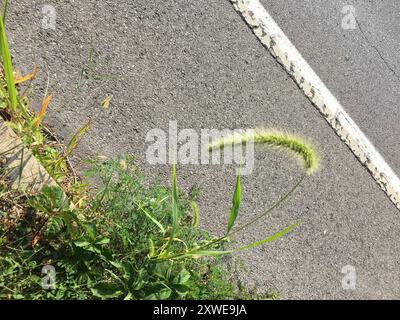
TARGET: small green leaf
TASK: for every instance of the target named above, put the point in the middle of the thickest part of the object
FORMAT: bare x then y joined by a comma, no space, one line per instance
91,230
106,290
82,243
103,241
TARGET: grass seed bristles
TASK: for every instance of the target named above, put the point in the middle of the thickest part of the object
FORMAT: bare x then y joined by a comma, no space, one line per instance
297,146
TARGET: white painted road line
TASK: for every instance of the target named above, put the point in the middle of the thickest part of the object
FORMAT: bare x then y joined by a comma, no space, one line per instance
273,38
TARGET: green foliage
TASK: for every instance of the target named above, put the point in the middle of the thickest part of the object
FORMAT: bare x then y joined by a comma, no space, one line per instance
112,248
127,240
16,109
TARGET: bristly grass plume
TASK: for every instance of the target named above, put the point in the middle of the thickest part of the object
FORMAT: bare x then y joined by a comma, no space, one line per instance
276,139
272,138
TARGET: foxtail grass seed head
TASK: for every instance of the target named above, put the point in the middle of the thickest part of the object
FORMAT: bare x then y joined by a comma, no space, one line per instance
297,146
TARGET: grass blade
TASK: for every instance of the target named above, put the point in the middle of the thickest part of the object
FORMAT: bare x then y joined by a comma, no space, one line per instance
148,215
27,77
42,111
151,248
272,238
175,207
21,167
195,209
5,5
73,143
7,65
105,104
235,204
11,149
270,209
198,254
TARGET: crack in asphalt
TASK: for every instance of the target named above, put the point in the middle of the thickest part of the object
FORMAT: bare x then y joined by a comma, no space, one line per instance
393,71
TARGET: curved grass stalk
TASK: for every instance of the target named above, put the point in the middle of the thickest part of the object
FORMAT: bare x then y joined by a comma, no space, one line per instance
281,140
296,146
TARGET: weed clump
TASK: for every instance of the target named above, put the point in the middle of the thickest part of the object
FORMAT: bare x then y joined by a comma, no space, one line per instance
112,246
120,239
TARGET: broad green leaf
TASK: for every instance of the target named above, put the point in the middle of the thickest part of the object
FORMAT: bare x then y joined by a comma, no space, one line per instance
117,265
141,279
129,272
182,277
181,290
158,292
162,269
69,218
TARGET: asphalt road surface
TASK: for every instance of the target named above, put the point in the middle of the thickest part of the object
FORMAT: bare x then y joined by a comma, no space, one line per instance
359,62
197,63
